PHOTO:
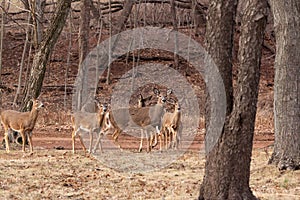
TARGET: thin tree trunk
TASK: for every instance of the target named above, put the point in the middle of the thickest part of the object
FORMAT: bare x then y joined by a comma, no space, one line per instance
40,60
28,30
128,4
110,45
174,21
286,154
36,8
68,58
3,4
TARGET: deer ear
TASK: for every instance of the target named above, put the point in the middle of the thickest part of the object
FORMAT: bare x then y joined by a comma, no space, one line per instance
156,91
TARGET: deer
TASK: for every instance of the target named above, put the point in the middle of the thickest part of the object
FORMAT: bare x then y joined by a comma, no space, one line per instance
22,122
90,106
142,101
169,128
109,122
90,122
148,118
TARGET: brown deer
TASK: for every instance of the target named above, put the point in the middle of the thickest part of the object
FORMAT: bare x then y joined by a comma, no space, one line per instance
86,121
169,128
22,122
148,118
142,101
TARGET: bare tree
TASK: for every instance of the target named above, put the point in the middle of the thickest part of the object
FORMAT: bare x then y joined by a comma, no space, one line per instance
227,168
286,154
84,30
175,28
41,57
3,5
28,32
37,13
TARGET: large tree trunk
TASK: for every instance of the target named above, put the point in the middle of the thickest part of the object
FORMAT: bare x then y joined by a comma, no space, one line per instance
219,44
37,12
84,29
286,154
83,41
227,168
40,60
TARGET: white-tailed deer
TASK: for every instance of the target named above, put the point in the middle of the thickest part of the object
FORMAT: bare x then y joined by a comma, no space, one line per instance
22,122
142,101
169,128
90,106
148,118
89,122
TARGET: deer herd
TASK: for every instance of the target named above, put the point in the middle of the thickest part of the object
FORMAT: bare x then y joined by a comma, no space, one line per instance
154,122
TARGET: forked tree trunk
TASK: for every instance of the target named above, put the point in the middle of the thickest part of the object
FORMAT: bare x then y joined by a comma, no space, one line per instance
128,4
227,168
40,60
286,154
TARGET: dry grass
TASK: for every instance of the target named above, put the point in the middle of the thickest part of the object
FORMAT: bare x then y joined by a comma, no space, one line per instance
53,174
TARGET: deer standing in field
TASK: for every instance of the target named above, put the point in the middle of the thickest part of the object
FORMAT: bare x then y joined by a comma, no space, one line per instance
89,122
22,122
169,128
148,118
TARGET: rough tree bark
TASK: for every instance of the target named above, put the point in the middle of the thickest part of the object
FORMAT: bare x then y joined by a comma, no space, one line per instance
227,168
37,13
175,28
84,33
41,57
84,29
286,154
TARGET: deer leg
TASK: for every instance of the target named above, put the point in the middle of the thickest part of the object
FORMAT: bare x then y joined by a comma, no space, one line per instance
161,139
82,144
23,139
98,142
91,133
148,138
141,143
166,138
73,140
170,138
177,139
155,137
29,136
6,141
116,134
